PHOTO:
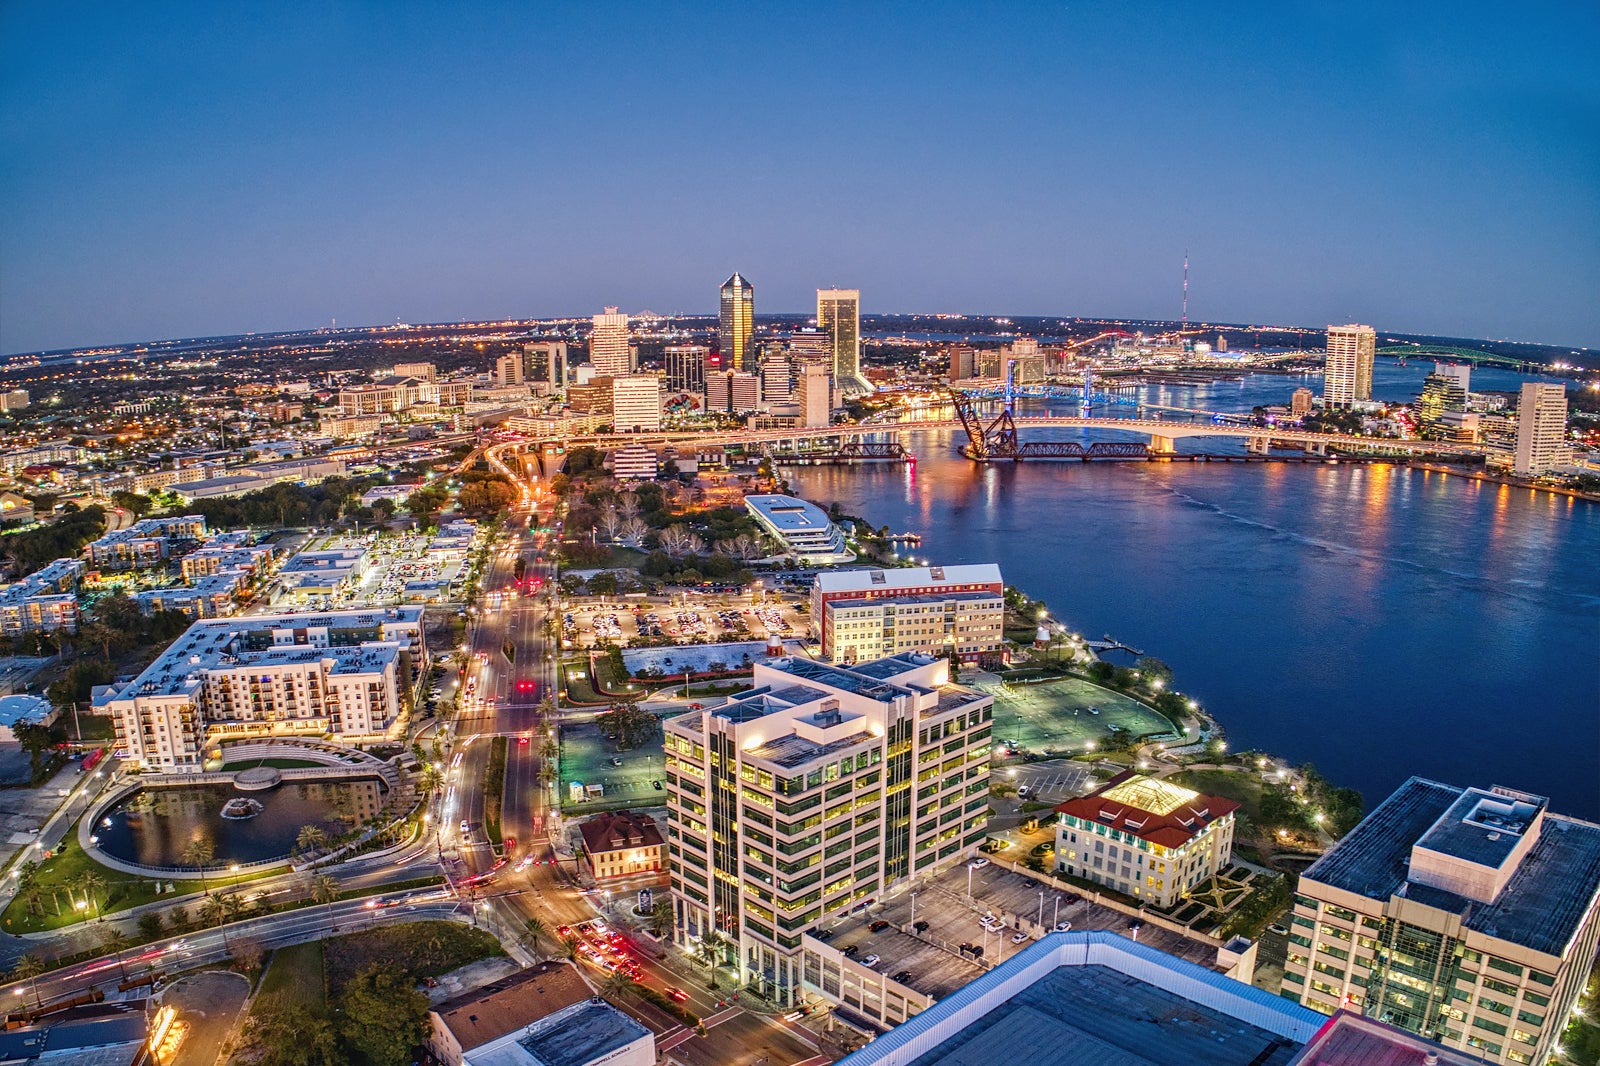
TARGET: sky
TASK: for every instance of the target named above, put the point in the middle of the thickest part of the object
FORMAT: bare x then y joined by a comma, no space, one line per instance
189,169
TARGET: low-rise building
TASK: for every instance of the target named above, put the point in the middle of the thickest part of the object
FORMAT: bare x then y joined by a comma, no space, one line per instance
21,709
1467,915
339,672
939,610
634,462
506,1007
15,509
1144,837
802,528
316,575
591,1033
42,602
624,846
147,542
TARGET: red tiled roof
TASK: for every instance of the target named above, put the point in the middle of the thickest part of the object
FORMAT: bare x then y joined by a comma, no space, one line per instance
1172,830
618,830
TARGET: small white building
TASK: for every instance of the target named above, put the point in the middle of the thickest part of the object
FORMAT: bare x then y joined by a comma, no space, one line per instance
23,709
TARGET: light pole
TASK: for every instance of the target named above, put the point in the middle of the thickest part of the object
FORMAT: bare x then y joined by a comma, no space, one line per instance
1041,908
913,910
1055,919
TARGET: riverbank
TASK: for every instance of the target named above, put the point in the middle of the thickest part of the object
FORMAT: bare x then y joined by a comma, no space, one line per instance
1508,481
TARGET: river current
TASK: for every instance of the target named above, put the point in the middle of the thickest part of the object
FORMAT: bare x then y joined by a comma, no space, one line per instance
1373,620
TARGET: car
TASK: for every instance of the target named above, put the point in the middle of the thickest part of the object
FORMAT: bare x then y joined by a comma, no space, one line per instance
1018,937
466,827
919,926
852,951
903,976
979,863
1277,930
678,994
870,961
878,926
1063,927
1022,792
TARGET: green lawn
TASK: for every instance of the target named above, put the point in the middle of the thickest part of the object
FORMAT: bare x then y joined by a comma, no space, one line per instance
279,764
1241,786
295,978
420,949
579,690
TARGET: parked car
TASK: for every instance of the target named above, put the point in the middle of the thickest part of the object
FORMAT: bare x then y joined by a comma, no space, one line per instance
1018,937
870,961
878,926
1277,930
979,863
1063,927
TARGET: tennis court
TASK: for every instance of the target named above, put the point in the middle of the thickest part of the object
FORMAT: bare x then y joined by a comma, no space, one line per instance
1063,716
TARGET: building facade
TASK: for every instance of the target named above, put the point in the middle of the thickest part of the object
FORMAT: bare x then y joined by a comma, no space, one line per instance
609,353
1146,838
1467,915
803,529
342,673
148,542
862,614
546,361
509,370
43,602
819,788
1541,428
736,324
1347,379
814,391
686,367
636,403
839,316
624,846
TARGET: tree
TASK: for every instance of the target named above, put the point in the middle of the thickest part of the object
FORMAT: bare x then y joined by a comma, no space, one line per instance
569,948
27,968
199,853
150,925
248,953
610,521
709,950
661,916
92,883
131,501
35,740
310,838
115,941
633,532
631,723
617,985
1153,669
325,889
294,1036
537,931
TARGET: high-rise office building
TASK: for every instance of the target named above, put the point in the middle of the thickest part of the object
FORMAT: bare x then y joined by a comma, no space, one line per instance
1468,915
508,369
733,392
777,376
1300,402
609,353
635,403
963,362
737,324
546,360
1443,390
839,316
814,390
795,800
1348,377
686,367
1541,428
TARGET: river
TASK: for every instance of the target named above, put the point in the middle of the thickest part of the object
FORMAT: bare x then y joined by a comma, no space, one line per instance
1376,621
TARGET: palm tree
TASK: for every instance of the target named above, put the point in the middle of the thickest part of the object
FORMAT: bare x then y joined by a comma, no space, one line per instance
660,916
310,838
429,781
537,931
616,985
199,853
26,968
325,889
569,948
92,882
116,941
709,950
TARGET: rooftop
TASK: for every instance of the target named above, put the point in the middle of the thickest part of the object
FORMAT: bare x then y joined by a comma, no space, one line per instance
1352,1040
581,1034
1540,907
1097,999
1157,811
616,830
875,580
486,1014
789,514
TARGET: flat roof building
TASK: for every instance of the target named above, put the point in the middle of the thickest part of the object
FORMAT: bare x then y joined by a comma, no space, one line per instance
585,1034
1347,377
1541,428
1467,915
506,1007
795,801
1097,999
946,609
336,672
802,528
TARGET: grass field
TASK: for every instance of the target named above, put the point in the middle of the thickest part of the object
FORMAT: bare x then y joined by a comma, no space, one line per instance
1054,716
1240,786
420,949
586,756
295,978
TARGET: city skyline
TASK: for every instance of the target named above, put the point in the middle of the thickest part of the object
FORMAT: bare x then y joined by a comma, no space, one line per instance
280,173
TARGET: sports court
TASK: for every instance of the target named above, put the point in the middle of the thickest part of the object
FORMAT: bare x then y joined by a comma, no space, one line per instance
1063,716
586,756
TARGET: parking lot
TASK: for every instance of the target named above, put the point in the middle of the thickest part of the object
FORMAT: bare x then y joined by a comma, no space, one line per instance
1065,716
657,620
628,778
1051,782
927,947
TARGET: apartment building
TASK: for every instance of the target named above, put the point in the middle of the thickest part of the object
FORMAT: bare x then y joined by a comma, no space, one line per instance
1146,838
1541,428
147,542
814,792
1468,915
42,602
1348,376
341,673
938,610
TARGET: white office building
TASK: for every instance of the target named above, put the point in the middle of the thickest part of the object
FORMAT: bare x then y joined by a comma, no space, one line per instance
1348,377
803,529
1541,428
636,403
609,353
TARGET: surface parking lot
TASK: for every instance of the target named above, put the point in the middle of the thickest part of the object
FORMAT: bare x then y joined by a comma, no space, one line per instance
629,778
1052,782
633,622
933,956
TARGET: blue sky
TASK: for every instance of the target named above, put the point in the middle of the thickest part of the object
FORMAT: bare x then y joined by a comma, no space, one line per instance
190,169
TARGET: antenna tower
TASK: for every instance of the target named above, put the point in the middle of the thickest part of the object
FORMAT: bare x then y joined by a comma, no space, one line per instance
1186,290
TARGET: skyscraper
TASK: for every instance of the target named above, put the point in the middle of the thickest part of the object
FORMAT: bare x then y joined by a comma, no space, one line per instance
608,344
636,403
1348,379
1541,426
508,369
686,367
839,316
737,323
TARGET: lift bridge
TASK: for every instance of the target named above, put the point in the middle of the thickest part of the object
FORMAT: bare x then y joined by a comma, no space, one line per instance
998,439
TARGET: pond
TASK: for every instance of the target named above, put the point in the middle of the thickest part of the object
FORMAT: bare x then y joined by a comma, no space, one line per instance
153,826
